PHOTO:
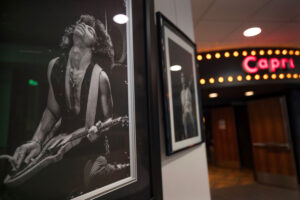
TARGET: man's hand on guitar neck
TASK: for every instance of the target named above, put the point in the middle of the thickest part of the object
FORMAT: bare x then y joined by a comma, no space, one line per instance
26,152
93,132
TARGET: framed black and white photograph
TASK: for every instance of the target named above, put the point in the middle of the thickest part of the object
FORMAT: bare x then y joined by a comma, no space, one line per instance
75,105
181,94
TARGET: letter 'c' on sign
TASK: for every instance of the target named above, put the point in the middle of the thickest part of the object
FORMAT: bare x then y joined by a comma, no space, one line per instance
246,66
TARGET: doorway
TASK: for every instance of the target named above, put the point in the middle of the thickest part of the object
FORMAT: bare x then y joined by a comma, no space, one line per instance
249,142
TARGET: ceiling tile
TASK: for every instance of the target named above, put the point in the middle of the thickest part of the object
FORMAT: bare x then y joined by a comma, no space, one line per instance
199,7
278,10
223,24
216,31
235,10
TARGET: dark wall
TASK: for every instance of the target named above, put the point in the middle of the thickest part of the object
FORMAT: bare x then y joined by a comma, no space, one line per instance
243,135
293,102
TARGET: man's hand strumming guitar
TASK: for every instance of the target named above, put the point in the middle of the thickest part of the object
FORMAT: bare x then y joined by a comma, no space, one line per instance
26,152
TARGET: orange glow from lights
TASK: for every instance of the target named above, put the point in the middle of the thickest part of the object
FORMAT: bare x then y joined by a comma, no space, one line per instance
221,79
229,79
274,76
270,52
218,55
281,76
245,53
288,75
261,52
211,80
257,77
295,76
239,78
297,53
226,54
202,81
199,57
248,77
265,76
208,56
291,52
277,52
236,54
284,52
253,53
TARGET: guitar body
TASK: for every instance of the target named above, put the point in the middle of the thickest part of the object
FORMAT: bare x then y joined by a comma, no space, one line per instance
42,161
54,151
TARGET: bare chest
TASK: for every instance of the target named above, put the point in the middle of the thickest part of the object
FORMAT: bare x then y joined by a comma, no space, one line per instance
74,79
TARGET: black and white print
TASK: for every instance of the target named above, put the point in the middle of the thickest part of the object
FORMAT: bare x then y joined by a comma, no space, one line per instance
180,89
70,133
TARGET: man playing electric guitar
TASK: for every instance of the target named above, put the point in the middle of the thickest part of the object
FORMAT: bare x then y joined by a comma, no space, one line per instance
79,96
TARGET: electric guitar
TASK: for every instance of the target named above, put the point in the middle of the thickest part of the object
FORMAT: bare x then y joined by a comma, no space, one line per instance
54,150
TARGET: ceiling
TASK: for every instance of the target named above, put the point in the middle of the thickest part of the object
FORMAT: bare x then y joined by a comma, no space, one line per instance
219,24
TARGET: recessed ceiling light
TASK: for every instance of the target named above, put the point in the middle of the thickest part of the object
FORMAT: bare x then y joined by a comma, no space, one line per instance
175,68
249,93
120,19
213,95
250,32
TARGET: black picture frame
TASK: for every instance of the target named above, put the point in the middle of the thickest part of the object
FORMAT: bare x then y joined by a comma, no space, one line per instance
177,47
148,174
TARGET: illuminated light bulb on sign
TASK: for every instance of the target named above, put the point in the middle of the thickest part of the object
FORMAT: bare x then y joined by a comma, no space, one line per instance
245,53
120,19
281,76
297,53
270,52
202,81
253,53
218,55
277,52
213,95
229,79
211,80
284,52
199,57
236,54
295,76
257,77
288,75
265,76
239,78
221,79
248,77
226,54
208,56
261,52
291,52
273,76
175,68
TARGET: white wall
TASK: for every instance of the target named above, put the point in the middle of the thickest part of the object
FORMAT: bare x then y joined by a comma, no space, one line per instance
184,174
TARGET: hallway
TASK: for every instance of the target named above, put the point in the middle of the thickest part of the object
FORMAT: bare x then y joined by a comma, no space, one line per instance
254,192
239,184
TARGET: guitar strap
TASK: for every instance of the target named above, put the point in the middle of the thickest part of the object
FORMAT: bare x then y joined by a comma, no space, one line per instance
91,108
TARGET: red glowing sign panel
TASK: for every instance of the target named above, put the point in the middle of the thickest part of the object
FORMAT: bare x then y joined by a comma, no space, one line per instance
263,63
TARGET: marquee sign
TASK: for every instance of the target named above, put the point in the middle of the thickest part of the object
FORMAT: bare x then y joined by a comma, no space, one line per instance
252,65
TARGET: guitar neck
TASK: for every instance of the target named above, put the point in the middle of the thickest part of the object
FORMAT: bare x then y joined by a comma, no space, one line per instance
109,124
83,132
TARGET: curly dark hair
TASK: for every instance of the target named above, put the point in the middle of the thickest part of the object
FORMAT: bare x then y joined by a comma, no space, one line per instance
103,52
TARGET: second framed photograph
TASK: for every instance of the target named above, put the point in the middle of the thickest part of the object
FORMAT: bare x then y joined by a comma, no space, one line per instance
181,93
